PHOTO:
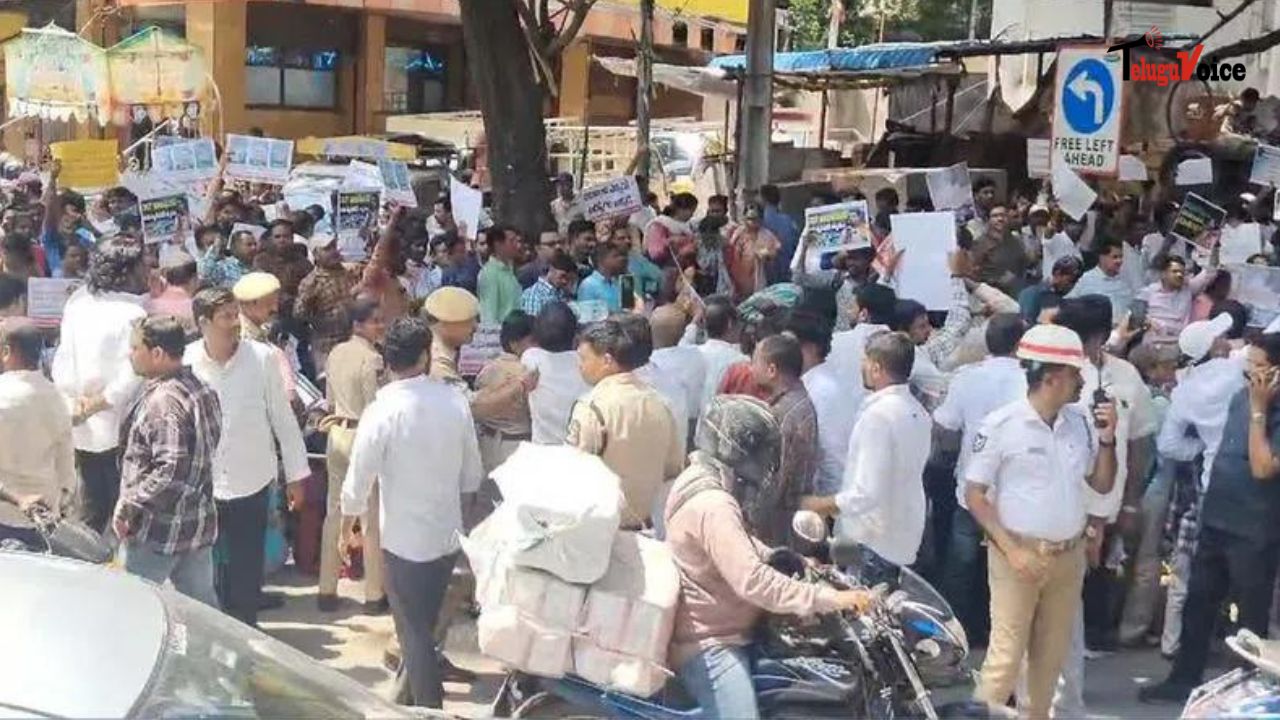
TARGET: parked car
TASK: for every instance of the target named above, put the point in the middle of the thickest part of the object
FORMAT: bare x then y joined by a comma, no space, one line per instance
82,640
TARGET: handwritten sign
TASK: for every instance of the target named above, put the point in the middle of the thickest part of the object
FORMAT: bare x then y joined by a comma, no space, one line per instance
467,203
835,228
1195,219
258,159
611,199
162,217
396,185
87,164
46,298
1039,153
355,211
1074,195
185,161
484,346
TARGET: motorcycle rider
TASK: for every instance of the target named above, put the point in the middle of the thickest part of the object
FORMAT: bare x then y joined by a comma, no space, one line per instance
725,583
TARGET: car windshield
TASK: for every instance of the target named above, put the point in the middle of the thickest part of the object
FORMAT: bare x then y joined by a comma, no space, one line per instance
213,666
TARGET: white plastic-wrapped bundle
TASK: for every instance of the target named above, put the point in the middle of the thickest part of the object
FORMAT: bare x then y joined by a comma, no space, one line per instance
560,511
629,617
514,638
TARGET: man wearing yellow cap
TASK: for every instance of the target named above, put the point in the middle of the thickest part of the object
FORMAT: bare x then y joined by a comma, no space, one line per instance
258,295
1025,485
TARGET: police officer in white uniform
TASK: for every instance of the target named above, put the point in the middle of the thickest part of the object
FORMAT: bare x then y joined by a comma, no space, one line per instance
1026,483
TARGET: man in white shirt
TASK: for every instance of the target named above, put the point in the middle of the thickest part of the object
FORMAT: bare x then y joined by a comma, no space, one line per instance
975,392
91,369
560,382
720,350
38,462
682,363
418,441
881,503
1090,318
873,311
1025,485
1106,279
829,402
256,416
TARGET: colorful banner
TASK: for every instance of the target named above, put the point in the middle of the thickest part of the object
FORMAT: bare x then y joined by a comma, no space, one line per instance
87,164
52,73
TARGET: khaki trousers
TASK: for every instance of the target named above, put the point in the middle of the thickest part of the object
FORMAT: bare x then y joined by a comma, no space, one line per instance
1031,618
337,458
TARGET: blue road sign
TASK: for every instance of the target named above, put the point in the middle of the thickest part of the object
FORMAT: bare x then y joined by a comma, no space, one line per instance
1088,97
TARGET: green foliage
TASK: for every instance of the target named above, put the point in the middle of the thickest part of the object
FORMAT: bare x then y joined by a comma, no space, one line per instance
924,19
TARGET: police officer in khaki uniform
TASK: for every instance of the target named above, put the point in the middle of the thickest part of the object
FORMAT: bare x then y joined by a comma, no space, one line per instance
623,419
1026,482
354,374
259,296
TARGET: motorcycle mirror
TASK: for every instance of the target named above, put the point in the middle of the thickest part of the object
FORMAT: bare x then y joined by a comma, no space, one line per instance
809,525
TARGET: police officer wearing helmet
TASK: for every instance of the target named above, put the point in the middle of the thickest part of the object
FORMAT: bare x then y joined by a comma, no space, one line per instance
1026,480
725,582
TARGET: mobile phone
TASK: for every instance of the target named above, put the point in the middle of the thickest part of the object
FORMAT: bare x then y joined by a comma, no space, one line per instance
1137,314
628,284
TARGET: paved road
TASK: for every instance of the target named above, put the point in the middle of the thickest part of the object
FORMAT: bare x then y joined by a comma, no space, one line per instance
353,642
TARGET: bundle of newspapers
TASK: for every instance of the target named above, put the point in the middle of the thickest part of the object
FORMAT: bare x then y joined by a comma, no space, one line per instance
561,589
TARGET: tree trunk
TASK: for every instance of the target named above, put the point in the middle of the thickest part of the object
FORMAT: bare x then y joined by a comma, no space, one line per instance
511,102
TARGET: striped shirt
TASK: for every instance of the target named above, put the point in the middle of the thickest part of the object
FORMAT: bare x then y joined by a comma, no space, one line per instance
169,438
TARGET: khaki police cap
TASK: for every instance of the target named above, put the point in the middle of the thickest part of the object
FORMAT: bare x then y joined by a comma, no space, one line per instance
255,286
451,304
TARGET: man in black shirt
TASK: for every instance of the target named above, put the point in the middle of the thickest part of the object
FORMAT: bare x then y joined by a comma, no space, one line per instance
1239,542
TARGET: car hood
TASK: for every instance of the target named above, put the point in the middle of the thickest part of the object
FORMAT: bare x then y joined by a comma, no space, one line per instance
79,640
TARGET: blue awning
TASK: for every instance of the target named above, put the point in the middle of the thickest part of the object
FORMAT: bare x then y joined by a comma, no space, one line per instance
868,58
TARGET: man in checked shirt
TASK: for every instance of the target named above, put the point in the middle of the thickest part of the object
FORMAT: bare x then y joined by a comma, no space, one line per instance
166,518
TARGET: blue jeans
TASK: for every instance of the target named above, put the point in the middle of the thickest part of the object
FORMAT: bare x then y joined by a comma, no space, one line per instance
191,572
964,577
719,678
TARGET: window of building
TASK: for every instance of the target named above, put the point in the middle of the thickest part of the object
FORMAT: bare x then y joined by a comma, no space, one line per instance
414,81
708,39
291,77
679,33
740,43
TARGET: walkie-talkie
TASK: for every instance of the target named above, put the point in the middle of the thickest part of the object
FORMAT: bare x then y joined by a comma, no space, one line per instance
1099,396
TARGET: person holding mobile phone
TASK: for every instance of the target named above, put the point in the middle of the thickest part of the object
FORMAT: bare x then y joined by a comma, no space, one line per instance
1239,542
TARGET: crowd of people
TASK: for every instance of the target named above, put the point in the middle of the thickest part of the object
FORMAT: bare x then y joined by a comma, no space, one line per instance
1092,406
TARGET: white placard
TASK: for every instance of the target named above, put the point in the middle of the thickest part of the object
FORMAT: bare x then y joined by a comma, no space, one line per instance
1240,243
1039,152
1266,166
46,297
396,184
1074,195
1088,107
1132,169
256,159
361,175
1195,171
185,161
484,346
614,198
1258,287
949,187
926,241
257,231
466,202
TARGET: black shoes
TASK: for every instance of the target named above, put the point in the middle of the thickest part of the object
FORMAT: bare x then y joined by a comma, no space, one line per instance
1165,692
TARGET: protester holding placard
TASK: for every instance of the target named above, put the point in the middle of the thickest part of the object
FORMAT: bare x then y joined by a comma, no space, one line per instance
63,223
323,297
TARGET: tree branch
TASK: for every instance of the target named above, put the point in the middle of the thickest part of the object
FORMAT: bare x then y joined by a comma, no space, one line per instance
1222,20
1246,47
536,49
529,23
571,27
